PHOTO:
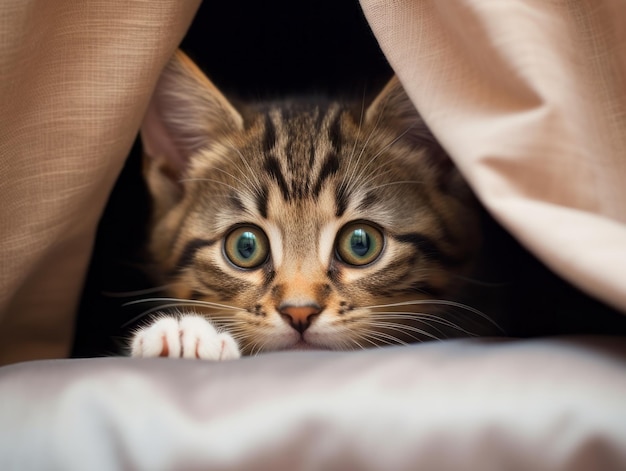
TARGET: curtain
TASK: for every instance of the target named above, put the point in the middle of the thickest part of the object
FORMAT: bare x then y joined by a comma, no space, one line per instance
529,98
75,78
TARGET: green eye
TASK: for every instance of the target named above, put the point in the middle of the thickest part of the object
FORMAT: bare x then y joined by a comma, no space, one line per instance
359,243
247,247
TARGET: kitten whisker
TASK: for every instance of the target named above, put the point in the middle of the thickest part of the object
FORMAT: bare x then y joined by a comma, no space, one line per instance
175,302
195,302
404,328
251,181
139,292
343,184
352,173
399,182
487,284
376,175
384,148
258,346
346,345
362,336
442,302
232,176
358,132
383,337
426,320
183,180
422,317
240,337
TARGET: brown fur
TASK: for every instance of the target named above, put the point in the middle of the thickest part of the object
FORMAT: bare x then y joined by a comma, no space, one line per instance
301,171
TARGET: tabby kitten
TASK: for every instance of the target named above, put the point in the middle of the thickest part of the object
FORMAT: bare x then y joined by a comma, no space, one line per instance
300,225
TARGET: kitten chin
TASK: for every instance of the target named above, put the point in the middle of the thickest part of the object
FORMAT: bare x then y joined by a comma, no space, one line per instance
304,224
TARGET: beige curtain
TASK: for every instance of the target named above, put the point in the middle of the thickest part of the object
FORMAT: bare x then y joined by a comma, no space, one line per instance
75,77
529,97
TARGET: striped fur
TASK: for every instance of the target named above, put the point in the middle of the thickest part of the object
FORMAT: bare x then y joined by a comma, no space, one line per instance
301,170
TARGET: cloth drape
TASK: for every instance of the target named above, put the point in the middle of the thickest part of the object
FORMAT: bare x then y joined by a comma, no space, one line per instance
529,98
75,79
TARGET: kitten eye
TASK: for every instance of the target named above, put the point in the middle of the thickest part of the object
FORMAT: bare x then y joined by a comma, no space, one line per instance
359,244
247,247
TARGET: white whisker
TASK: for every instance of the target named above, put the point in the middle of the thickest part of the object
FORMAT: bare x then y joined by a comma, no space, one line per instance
383,337
195,302
356,140
208,180
403,329
399,182
363,170
422,317
488,284
362,337
352,171
251,181
139,292
170,303
441,302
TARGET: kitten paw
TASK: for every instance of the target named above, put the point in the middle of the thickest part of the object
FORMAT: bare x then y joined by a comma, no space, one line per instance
185,337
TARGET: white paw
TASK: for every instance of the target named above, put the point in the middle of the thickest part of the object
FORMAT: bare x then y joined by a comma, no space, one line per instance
183,337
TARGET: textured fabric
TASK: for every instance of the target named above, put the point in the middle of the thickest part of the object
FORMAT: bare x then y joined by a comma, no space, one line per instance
529,98
75,78
440,406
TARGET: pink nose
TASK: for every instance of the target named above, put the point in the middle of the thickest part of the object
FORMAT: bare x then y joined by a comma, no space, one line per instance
300,317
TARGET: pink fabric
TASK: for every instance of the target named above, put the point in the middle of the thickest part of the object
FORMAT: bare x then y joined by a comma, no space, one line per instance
75,78
529,98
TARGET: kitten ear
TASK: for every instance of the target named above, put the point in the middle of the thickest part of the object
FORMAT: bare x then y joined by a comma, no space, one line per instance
393,106
185,112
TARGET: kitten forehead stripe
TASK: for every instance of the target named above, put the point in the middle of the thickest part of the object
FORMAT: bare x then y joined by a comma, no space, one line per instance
269,135
262,201
329,167
272,166
341,200
334,132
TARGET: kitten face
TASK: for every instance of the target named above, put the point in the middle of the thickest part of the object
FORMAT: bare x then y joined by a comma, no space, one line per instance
313,224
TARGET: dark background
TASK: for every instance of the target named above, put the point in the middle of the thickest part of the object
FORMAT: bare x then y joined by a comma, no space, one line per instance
254,50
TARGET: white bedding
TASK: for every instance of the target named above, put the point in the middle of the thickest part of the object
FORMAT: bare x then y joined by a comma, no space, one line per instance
477,405
529,99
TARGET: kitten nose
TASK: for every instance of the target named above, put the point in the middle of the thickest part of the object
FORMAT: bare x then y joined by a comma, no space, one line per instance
300,317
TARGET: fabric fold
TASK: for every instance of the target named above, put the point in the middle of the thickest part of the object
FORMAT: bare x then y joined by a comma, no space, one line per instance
74,84
529,99
473,405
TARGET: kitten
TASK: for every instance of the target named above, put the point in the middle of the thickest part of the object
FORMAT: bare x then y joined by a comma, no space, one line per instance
301,224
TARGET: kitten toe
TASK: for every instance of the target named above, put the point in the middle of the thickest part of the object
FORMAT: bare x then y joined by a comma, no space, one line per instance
200,340
160,339
229,350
